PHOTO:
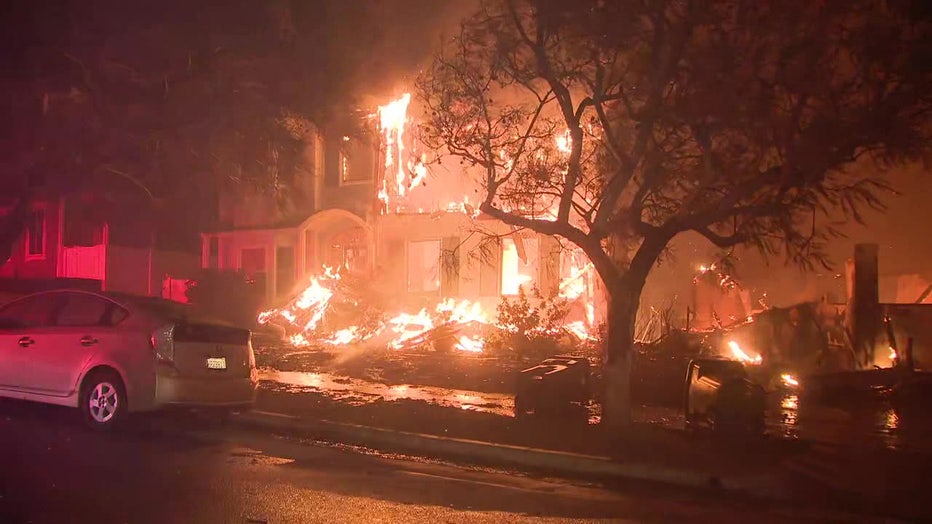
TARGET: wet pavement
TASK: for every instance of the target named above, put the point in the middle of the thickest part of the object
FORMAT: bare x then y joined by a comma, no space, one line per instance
790,414
354,391
181,469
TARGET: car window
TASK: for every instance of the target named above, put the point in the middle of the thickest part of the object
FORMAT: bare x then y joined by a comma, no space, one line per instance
83,309
31,311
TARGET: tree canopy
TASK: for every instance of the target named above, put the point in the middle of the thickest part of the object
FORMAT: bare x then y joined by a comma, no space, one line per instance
640,120
171,103
619,125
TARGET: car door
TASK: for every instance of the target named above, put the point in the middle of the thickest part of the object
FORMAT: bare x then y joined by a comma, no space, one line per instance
82,326
25,327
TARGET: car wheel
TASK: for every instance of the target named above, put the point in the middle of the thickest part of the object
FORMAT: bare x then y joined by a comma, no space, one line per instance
102,401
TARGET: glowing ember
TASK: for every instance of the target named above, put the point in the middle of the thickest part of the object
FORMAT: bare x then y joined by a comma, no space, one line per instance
307,309
740,354
564,142
344,336
574,286
579,329
410,327
463,312
302,318
470,344
789,380
893,354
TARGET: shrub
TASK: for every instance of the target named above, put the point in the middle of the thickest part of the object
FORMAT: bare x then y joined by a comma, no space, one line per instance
529,328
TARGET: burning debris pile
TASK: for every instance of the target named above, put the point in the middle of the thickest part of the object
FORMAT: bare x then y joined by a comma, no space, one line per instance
333,310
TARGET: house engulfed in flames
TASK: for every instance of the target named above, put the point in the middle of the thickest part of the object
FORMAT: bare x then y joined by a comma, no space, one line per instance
377,226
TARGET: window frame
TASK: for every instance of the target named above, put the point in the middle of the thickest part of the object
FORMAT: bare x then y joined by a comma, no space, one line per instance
535,277
28,254
345,153
408,289
108,312
52,319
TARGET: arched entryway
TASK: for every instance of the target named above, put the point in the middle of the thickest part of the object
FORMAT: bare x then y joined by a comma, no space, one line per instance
337,238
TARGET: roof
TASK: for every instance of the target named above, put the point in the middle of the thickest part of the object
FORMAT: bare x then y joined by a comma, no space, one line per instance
295,222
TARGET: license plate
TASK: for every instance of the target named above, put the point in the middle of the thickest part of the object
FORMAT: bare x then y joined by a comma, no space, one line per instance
216,363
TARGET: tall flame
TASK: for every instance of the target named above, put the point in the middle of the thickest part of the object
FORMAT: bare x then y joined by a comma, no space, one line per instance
392,119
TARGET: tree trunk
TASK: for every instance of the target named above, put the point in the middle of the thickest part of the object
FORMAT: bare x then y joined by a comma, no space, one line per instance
619,352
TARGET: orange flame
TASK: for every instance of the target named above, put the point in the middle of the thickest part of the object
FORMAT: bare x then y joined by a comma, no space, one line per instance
470,344
392,118
789,380
409,327
308,308
741,355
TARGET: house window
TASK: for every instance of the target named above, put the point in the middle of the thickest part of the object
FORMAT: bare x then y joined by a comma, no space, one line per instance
520,266
356,161
424,266
490,262
35,234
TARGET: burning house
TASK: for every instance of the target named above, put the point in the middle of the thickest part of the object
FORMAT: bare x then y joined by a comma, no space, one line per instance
381,227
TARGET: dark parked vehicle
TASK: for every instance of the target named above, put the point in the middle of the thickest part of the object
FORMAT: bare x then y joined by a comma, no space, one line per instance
554,384
720,394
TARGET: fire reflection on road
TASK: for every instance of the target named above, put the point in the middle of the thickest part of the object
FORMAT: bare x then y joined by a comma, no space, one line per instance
789,410
358,392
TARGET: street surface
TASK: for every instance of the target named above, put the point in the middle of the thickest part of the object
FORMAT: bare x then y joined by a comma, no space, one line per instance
180,469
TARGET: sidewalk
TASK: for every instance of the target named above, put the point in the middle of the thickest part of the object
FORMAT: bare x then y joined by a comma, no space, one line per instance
876,482
562,446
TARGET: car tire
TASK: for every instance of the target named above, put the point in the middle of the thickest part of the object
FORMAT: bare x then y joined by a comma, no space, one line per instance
102,401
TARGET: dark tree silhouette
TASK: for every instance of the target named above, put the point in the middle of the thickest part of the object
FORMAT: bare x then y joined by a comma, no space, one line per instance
619,125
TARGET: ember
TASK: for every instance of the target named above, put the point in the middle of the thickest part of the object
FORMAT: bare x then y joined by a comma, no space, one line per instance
473,345
742,356
308,308
789,380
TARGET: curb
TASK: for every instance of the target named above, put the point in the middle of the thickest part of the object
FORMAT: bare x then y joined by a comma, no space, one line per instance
473,450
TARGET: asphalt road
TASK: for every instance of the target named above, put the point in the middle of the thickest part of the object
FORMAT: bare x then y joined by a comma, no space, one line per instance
175,469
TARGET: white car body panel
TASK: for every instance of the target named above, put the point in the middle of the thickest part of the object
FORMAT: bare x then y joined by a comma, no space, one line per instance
52,368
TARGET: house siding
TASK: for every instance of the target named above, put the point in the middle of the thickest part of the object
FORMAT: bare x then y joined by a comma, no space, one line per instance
19,266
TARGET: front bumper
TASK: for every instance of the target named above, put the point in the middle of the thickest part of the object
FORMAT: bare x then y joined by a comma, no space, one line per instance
197,392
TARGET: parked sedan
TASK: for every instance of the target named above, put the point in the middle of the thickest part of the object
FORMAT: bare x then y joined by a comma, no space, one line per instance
110,354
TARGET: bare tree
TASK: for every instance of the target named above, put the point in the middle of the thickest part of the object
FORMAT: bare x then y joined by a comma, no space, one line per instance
619,125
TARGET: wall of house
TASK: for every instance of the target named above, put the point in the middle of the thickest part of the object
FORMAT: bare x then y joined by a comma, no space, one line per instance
349,181
177,265
128,270
133,270
467,272
232,245
24,266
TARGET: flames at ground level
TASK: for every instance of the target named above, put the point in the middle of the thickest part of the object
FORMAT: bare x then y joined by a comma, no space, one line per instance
460,324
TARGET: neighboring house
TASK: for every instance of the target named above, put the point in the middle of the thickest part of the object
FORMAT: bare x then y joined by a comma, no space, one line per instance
66,238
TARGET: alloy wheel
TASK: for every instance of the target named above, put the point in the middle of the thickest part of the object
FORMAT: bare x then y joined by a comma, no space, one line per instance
103,402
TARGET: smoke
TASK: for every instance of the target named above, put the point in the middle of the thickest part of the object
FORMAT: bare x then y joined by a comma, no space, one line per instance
404,35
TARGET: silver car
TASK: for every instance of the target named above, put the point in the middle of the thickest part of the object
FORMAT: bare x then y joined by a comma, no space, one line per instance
110,354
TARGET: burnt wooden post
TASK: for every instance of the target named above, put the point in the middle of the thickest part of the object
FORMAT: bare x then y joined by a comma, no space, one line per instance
863,315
